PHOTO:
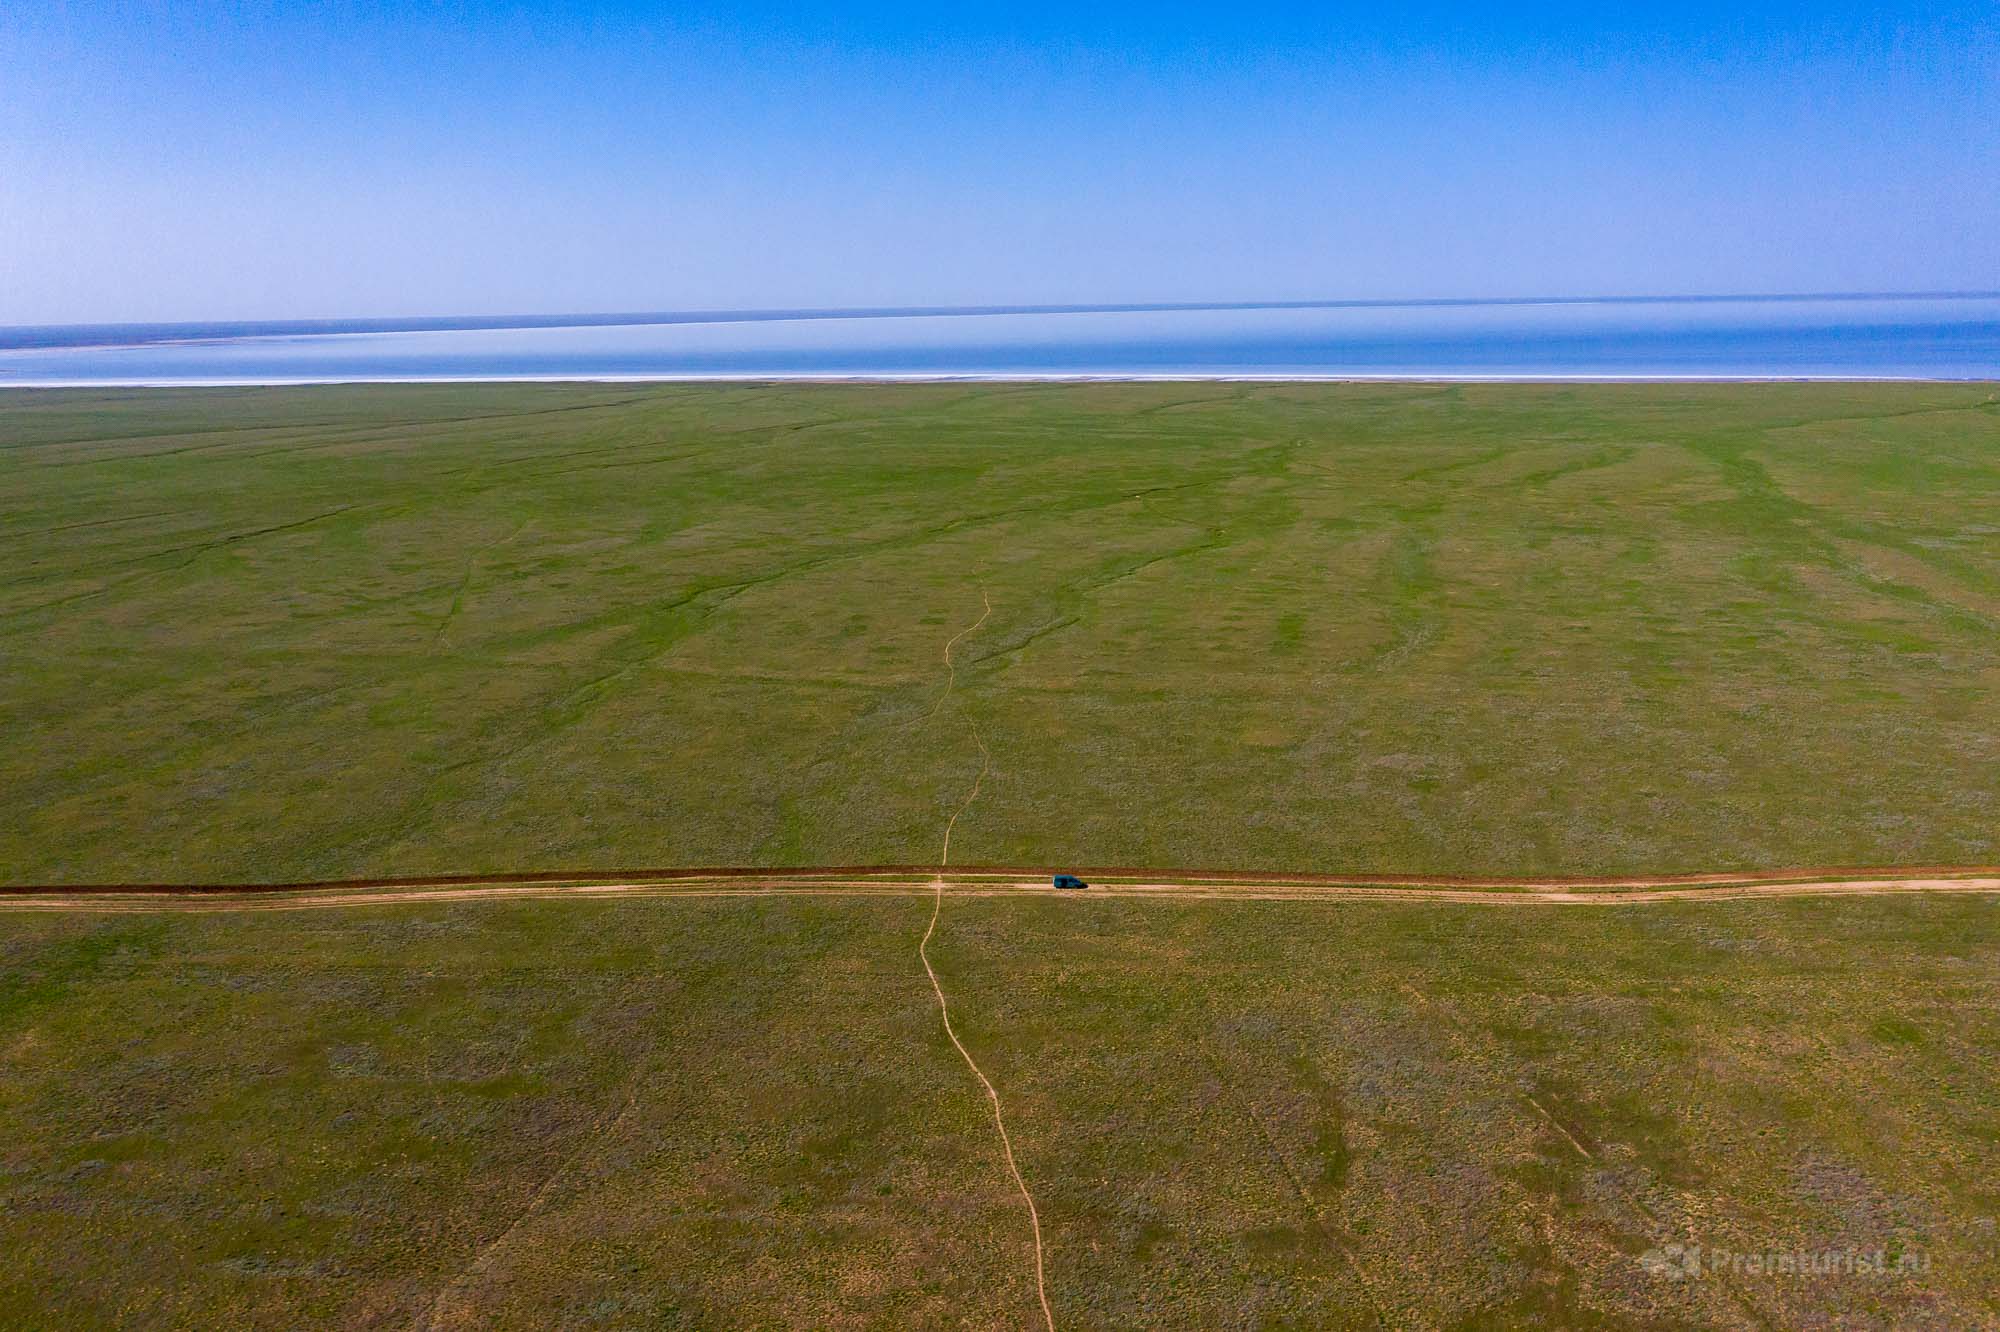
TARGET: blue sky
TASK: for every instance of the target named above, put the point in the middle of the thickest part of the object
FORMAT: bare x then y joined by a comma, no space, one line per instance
190,160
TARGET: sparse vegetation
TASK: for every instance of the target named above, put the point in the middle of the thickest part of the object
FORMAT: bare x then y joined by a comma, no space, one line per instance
284,633
714,1112
272,634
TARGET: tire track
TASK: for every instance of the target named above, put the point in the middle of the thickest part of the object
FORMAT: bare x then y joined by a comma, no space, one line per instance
458,1290
923,953
465,583
1329,1231
105,901
1110,875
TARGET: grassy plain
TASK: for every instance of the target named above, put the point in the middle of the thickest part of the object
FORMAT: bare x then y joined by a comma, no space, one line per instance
743,1113
284,633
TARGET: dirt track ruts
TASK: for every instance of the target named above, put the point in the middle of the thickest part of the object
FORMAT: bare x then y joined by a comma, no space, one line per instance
1152,873
937,986
971,883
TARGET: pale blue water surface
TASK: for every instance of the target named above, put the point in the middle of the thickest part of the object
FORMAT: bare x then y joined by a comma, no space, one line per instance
1926,337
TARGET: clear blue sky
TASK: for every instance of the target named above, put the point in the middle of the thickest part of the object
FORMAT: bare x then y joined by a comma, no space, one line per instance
186,159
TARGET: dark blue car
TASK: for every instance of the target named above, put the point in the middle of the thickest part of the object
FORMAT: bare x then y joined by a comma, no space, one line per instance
1068,881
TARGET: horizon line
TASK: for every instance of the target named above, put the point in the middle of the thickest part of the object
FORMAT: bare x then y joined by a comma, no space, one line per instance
14,337
1052,377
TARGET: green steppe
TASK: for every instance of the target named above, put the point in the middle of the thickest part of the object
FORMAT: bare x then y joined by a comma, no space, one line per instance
303,633
731,1113
285,633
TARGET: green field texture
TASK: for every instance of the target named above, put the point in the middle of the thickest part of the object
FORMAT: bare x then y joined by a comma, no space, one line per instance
282,633
729,1113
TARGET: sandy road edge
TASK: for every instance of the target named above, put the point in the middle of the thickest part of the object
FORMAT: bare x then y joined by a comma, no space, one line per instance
1106,873
111,901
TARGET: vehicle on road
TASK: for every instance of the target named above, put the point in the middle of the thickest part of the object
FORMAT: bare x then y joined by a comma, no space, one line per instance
1068,881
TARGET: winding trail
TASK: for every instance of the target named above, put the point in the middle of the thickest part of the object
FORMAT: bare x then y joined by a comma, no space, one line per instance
985,755
923,952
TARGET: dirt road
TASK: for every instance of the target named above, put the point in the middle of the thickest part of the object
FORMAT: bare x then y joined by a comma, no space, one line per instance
849,881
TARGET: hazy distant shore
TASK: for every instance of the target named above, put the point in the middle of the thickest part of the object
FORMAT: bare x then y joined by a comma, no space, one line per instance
1952,338
137,334
999,377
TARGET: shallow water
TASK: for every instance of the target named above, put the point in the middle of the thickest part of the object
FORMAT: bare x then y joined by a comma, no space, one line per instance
1909,338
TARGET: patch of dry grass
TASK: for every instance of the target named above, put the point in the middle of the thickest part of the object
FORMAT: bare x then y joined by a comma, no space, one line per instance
699,1112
